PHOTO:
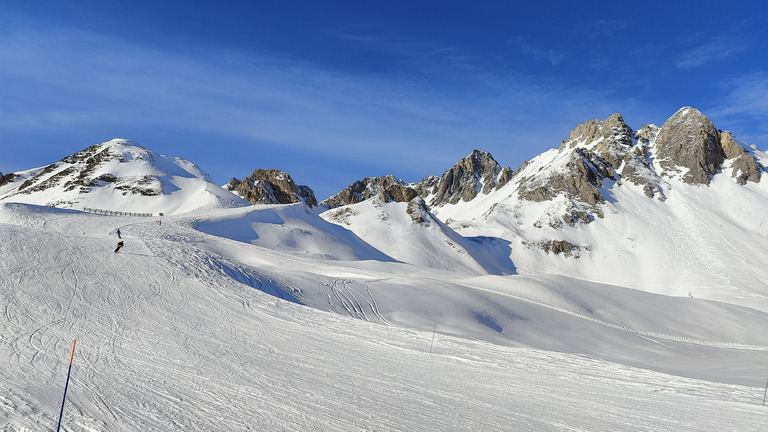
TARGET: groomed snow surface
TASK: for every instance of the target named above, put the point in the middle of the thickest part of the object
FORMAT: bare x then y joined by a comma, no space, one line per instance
199,325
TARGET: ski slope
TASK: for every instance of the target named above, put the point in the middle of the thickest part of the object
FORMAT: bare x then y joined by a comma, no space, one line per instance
193,326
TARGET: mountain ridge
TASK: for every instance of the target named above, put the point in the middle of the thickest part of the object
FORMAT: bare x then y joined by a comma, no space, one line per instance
594,263
560,212
120,175
686,146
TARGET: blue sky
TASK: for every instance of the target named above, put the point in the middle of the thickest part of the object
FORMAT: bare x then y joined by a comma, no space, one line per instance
335,91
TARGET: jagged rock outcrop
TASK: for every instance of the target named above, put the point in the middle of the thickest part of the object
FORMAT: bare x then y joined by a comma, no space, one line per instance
590,156
271,187
474,174
689,140
612,130
6,178
596,155
600,154
581,179
418,211
744,166
615,143
688,143
386,188
559,247
637,165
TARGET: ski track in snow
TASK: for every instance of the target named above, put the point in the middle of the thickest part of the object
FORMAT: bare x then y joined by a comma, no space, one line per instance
344,299
174,337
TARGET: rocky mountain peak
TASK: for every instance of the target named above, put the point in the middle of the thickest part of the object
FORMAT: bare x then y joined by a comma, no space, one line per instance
96,166
611,130
689,140
271,186
596,155
472,175
744,166
477,173
387,188
118,175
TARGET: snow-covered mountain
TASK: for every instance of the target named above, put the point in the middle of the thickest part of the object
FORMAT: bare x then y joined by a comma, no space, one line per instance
408,232
637,209
678,210
118,175
621,266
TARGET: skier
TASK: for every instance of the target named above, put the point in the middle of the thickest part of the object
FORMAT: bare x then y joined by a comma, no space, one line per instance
119,245
118,234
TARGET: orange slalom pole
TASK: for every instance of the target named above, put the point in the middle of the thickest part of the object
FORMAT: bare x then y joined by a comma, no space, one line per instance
73,352
61,413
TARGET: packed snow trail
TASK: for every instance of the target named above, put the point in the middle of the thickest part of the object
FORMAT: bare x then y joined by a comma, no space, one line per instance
170,339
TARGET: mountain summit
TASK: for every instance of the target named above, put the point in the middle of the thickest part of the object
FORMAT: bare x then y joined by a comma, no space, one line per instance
119,175
271,186
689,144
476,174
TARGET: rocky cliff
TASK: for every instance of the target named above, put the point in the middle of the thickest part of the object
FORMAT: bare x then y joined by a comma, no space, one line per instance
475,174
271,186
689,145
601,155
6,178
596,155
386,188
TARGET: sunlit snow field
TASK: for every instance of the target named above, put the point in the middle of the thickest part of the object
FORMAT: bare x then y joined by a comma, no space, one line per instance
195,326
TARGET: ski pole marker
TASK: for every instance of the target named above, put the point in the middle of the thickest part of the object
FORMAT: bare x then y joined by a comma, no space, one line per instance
61,413
73,352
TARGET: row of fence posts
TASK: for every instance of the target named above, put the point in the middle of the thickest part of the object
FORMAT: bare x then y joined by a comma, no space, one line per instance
117,213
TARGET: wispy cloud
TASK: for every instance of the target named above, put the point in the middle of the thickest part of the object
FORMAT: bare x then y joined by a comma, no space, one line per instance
59,83
744,108
709,52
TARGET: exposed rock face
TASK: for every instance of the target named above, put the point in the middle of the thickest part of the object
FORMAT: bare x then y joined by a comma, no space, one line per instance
689,140
601,155
612,142
647,134
386,188
744,167
596,155
595,150
78,172
122,175
637,164
271,187
581,180
476,173
559,247
7,178
612,130
418,211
